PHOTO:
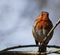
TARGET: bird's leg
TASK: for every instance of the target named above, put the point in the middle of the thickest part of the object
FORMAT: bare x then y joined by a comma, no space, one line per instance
36,42
42,49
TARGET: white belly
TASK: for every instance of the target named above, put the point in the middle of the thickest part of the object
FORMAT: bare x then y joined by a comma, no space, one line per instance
39,35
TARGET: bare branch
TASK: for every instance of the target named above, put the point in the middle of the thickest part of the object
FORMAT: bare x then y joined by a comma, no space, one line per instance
45,39
28,52
54,27
54,51
25,46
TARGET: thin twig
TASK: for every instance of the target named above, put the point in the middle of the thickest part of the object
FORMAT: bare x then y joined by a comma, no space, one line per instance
45,39
53,51
31,52
58,22
24,46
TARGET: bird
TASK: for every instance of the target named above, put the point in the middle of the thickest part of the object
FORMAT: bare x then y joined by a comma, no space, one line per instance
41,26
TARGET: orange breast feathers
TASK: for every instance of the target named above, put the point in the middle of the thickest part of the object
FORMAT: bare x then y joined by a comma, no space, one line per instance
42,23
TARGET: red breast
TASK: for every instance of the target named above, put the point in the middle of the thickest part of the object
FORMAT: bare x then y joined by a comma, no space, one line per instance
42,22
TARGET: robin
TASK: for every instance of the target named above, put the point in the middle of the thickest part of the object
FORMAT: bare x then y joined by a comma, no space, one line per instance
41,27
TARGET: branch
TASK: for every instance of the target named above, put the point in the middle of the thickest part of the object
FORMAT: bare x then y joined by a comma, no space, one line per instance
45,39
58,22
28,52
53,51
23,46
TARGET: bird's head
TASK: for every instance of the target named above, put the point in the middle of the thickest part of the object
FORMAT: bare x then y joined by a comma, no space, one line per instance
45,14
